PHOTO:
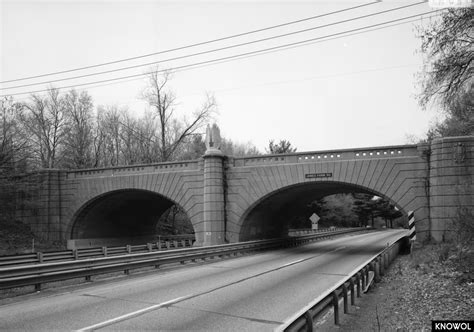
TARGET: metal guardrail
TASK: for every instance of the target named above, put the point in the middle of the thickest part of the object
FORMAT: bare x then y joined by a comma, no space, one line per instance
37,274
83,253
358,279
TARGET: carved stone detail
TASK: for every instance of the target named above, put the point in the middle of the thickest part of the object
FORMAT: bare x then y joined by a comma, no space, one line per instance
459,153
213,137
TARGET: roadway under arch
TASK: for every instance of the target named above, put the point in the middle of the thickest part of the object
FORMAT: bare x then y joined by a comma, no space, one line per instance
129,215
268,217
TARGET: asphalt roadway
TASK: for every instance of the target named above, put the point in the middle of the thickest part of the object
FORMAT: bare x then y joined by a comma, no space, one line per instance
258,292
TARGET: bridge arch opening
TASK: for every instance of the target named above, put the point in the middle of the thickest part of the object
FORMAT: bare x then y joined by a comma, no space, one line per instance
271,216
129,216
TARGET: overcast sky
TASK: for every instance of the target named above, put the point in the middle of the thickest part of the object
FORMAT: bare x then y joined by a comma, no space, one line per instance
346,92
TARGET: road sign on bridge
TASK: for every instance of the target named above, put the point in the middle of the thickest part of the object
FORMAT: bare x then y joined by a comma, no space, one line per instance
314,221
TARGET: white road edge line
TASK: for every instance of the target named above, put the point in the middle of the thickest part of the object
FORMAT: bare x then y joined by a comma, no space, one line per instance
131,314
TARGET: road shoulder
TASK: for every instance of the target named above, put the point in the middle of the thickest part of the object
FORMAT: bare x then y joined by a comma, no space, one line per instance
416,289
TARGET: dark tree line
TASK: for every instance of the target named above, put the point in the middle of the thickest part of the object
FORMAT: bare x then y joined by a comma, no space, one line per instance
348,210
283,146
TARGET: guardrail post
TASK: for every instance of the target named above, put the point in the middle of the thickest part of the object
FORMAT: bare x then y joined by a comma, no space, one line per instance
183,243
309,321
346,302
158,245
104,251
335,302
358,283
126,271
75,253
150,247
395,249
381,266
39,256
88,278
352,286
372,267
129,249
167,244
37,287
364,281
376,271
392,252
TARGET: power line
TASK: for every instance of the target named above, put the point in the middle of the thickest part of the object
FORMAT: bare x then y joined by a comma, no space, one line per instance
238,56
217,49
272,51
196,44
235,57
373,70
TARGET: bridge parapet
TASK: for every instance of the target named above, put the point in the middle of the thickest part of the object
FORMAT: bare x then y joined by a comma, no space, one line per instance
134,169
330,155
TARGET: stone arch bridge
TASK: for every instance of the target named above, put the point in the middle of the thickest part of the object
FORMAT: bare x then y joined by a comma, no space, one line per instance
235,199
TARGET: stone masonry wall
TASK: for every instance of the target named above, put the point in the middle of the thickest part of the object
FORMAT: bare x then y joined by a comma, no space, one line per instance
451,184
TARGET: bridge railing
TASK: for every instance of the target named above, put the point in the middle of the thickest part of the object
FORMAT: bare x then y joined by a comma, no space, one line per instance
37,274
117,242
135,169
164,243
330,155
299,157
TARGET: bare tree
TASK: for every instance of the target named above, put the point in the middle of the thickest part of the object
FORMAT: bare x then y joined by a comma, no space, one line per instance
110,125
448,46
98,142
460,118
148,145
79,137
45,120
171,131
131,137
13,144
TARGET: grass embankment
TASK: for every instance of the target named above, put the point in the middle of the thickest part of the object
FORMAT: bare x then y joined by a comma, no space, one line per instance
17,238
435,282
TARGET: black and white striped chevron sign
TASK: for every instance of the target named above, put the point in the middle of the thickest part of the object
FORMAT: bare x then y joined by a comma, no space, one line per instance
411,225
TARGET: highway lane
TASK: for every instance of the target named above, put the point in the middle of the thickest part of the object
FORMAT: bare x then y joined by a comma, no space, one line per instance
256,292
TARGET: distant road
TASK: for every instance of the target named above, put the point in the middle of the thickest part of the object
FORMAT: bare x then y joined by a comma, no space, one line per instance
253,293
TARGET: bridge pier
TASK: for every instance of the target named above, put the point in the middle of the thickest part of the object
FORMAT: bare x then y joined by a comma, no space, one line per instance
451,179
213,199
